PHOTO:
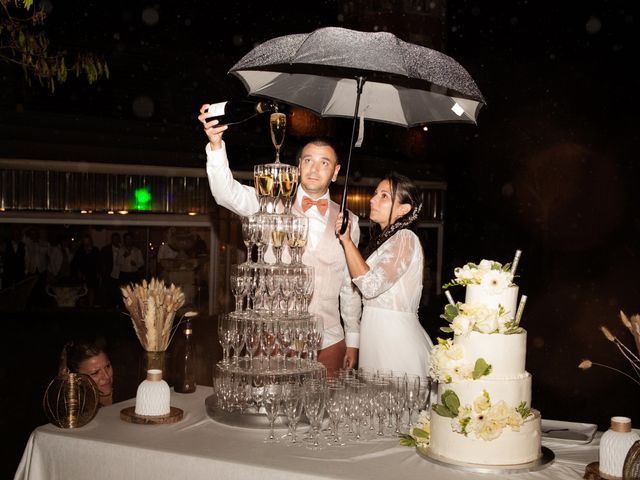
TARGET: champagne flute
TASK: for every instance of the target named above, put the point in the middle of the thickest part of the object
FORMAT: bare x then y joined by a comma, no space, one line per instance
239,285
263,184
288,179
271,398
293,402
249,235
278,126
224,336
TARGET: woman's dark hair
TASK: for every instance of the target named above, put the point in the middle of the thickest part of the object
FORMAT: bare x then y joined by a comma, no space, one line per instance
402,190
77,351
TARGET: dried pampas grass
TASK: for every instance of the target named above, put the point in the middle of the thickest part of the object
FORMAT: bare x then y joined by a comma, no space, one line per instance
152,307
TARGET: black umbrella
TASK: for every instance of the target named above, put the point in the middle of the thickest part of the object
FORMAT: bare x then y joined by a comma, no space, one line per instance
336,72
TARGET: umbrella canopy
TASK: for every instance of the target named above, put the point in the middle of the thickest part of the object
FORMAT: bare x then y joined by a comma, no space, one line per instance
404,84
336,72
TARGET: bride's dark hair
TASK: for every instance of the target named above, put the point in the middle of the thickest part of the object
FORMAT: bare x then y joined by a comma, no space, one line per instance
402,190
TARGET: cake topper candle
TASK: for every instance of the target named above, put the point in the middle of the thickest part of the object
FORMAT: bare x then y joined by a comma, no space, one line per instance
449,297
523,300
514,264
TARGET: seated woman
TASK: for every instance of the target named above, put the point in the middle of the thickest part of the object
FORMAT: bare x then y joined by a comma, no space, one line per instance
91,359
390,281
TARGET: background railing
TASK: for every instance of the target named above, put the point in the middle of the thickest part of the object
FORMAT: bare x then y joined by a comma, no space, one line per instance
28,185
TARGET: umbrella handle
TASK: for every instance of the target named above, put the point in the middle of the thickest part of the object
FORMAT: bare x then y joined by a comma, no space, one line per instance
345,221
343,203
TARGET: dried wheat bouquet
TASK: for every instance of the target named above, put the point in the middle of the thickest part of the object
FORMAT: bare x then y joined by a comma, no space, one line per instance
152,307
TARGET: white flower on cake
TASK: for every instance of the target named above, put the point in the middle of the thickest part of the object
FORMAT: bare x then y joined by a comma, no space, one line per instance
496,280
420,433
448,363
482,419
462,324
487,272
467,317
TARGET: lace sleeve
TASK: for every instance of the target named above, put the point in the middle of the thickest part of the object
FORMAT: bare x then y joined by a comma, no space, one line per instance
387,264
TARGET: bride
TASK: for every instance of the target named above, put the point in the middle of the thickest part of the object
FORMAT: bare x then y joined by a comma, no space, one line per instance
390,281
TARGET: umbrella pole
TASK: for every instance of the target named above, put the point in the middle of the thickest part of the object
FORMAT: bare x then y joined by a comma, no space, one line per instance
343,203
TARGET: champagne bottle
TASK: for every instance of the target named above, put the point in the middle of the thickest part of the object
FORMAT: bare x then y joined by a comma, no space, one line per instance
186,363
238,111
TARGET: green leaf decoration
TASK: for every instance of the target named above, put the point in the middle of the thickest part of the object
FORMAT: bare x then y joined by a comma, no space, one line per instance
418,432
407,440
450,312
451,401
523,410
443,411
481,368
446,329
453,283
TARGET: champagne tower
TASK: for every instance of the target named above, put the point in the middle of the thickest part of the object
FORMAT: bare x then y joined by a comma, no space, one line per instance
270,339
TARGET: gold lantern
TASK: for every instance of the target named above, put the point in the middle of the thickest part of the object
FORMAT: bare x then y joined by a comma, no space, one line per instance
71,399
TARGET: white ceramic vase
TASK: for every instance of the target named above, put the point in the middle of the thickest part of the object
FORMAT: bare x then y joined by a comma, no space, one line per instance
614,446
153,397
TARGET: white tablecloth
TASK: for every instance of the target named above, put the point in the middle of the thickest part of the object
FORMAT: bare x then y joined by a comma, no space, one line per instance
197,447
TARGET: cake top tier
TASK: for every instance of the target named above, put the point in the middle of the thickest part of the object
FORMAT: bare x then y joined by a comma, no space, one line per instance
487,273
491,299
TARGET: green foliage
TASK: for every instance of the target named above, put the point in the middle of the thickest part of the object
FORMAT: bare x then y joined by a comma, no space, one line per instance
451,312
523,410
453,283
450,405
481,368
24,43
407,440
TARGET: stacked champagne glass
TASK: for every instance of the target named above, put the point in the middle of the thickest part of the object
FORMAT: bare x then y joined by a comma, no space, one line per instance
270,340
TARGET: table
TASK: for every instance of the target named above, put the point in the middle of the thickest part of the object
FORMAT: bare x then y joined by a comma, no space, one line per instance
197,447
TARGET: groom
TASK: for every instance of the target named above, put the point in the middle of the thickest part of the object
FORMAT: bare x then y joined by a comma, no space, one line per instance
333,294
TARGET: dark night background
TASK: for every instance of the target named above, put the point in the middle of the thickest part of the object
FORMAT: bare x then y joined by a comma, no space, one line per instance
550,168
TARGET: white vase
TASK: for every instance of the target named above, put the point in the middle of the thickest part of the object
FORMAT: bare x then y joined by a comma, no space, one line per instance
614,446
153,397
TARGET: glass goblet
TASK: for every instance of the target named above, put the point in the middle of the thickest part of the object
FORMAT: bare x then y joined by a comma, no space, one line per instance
278,128
271,398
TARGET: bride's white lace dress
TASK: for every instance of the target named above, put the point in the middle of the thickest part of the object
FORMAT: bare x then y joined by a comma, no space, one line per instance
391,336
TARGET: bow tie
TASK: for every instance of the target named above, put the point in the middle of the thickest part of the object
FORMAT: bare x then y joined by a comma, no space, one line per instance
321,204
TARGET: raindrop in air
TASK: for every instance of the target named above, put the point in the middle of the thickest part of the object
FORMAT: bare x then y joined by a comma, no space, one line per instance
143,106
150,16
593,25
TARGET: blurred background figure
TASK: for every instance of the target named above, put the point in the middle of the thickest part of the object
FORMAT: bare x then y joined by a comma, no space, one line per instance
110,271
60,258
85,267
13,257
36,261
130,261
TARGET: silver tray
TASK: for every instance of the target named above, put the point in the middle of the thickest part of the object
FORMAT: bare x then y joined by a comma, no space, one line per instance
249,418
544,461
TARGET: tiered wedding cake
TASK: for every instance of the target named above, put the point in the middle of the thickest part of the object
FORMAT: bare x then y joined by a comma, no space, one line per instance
483,412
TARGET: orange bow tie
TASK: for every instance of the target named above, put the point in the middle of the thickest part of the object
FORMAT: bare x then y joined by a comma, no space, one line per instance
321,204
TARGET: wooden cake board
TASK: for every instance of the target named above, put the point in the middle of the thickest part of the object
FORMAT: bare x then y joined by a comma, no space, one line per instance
129,415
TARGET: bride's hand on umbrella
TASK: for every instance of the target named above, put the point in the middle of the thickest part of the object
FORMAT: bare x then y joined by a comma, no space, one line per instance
347,233
211,128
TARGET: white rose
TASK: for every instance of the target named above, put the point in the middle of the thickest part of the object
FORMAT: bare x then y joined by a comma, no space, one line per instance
486,320
489,430
481,403
500,413
464,273
485,265
462,325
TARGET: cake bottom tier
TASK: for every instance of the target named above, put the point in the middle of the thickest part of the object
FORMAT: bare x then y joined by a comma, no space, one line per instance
510,448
